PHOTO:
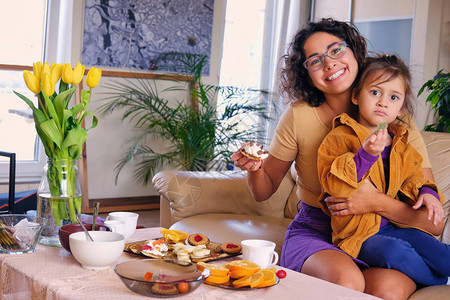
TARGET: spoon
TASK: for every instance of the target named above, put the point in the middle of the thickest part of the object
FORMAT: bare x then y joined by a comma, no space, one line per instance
95,214
88,236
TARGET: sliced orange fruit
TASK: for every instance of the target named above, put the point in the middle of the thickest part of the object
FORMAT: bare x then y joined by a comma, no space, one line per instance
183,235
253,280
217,279
242,268
269,278
148,276
174,236
244,281
216,270
242,273
242,264
170,236
256,279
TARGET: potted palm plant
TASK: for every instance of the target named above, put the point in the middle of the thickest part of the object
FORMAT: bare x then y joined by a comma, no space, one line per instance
440,100
201,132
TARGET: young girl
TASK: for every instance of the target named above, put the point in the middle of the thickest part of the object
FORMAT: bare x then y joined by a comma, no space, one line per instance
354,152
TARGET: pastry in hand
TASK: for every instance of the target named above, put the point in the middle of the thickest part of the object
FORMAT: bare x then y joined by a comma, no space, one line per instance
254,151
198,239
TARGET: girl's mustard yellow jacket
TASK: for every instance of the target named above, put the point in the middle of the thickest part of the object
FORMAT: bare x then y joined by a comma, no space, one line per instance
337,174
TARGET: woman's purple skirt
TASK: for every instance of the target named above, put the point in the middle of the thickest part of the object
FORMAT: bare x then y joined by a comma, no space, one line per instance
309,233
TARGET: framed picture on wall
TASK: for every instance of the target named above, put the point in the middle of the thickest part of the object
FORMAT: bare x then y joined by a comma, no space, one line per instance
138,34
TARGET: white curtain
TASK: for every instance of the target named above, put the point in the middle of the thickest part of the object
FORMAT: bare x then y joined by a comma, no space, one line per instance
283,19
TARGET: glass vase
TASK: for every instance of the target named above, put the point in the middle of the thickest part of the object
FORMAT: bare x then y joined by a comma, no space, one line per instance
59,198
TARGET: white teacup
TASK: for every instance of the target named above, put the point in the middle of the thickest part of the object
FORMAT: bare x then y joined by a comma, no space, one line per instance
115,226
128,218
261,252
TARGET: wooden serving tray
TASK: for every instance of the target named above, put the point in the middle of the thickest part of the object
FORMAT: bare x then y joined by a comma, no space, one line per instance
215,252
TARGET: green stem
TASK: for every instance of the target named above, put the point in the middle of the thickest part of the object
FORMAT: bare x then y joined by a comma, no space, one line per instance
65,204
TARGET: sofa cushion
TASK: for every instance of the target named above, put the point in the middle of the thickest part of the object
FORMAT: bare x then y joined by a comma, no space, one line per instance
291,209
236,227
438,292
194,193
438,148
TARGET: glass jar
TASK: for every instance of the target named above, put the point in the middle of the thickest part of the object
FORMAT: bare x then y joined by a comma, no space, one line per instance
59,198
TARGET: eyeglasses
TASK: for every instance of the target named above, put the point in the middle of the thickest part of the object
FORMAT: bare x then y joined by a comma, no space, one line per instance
334,51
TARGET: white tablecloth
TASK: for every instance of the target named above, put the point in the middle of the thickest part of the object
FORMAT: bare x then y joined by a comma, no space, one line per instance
52,273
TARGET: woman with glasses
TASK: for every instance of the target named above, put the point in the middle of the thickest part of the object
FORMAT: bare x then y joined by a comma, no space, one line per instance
320,68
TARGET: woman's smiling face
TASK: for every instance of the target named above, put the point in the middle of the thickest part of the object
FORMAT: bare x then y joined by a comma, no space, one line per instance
336,75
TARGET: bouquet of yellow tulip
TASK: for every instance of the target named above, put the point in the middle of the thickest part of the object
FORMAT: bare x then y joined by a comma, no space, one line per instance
60,127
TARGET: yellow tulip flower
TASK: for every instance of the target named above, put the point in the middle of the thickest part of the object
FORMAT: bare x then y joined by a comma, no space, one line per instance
31,81
47,86
56,70
78,73
37,69
45,70
93,77
67,73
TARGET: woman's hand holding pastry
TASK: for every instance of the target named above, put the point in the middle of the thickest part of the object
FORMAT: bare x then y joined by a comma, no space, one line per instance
244,163
249,157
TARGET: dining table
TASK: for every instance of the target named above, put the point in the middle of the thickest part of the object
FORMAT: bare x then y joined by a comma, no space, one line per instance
53,273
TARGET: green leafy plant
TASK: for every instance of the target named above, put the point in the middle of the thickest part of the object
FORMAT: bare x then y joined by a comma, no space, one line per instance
440,100
201,131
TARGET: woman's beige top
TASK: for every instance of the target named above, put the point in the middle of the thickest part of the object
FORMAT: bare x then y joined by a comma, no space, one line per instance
298,136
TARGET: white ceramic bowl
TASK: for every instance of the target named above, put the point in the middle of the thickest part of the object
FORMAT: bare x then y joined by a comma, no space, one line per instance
100,254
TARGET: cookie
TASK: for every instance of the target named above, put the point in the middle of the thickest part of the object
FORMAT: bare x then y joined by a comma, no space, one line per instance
230,248
164,289
198,239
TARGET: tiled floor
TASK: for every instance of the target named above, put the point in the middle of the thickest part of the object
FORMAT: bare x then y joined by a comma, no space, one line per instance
147,218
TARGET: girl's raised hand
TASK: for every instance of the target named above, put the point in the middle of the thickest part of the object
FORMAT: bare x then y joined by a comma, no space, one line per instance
375,143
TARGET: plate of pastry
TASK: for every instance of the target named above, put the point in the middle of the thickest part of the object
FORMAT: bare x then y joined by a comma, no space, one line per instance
183,248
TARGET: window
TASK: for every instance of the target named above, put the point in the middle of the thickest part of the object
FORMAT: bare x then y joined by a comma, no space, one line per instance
243,43
254,40
17,130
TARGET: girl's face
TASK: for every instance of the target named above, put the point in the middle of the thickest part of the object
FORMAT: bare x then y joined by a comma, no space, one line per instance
380,101
336,75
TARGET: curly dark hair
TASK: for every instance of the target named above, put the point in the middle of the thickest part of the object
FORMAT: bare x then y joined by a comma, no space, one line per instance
295,81
387,67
